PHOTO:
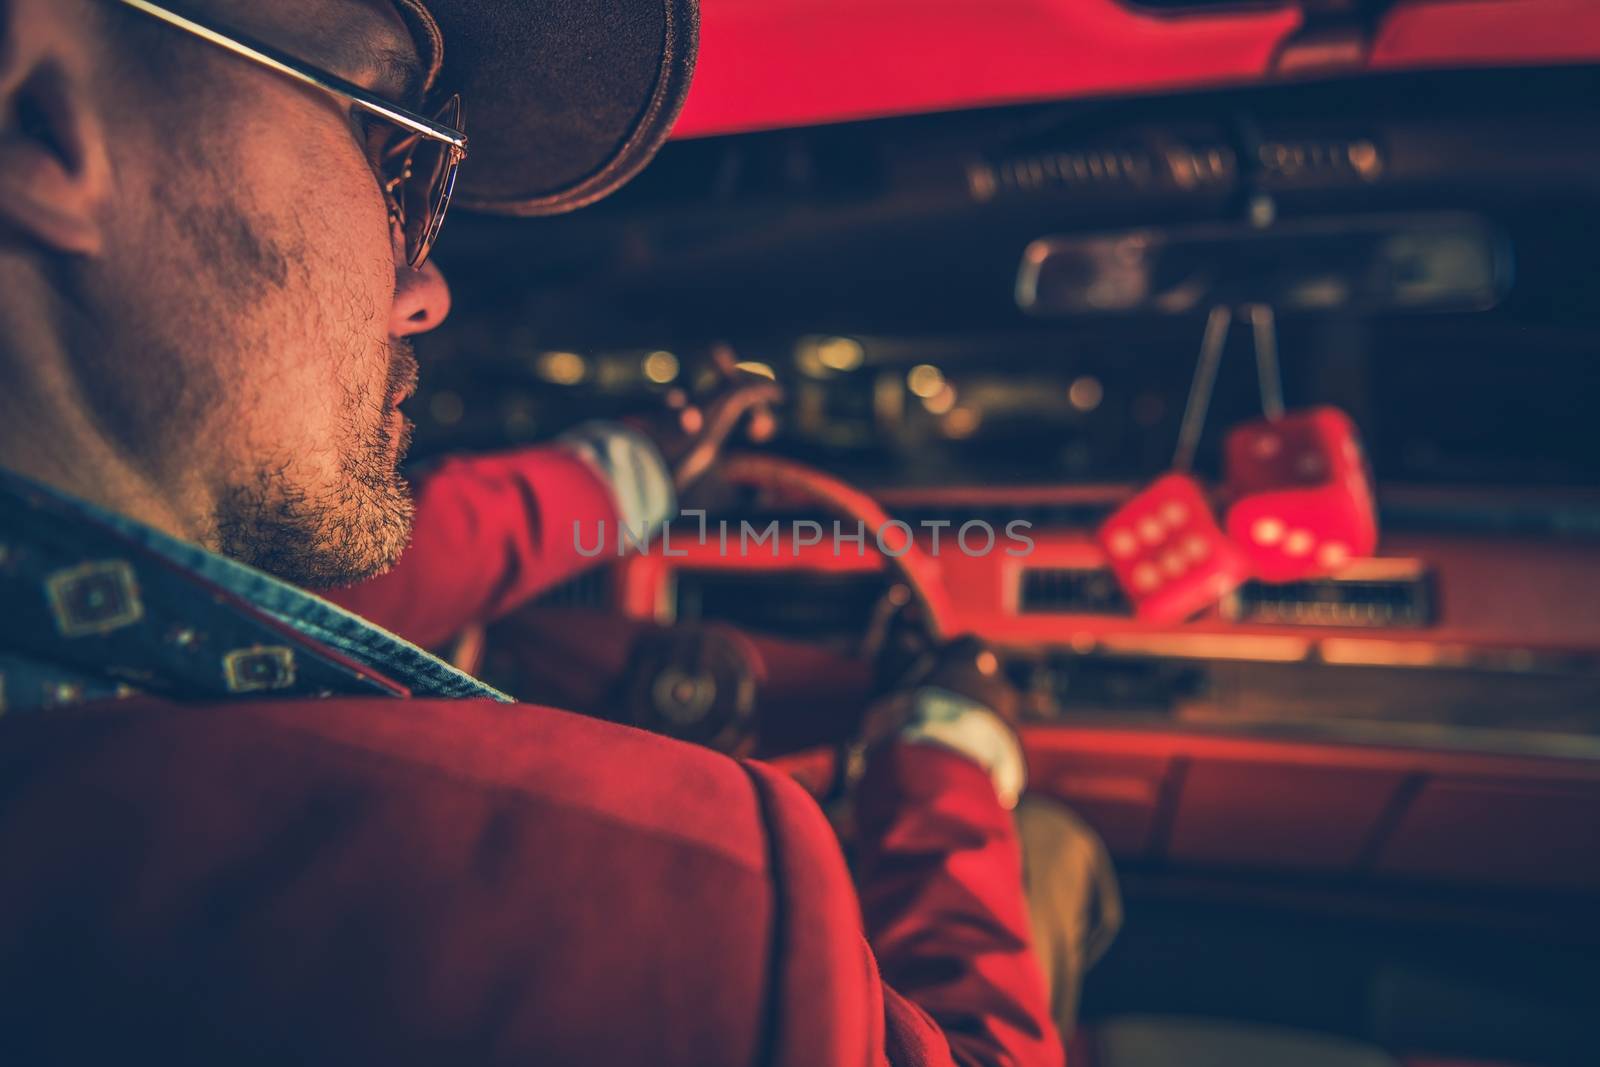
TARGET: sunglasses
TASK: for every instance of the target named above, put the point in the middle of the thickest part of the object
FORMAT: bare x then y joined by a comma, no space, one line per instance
417,172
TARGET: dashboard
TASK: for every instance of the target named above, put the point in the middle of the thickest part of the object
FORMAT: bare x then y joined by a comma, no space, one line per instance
1501,630
1347,727
1373,725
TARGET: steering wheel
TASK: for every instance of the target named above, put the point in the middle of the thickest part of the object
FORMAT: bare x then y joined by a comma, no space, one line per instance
918,570
698,681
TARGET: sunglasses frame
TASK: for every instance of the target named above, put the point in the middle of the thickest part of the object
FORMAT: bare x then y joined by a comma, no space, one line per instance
454,139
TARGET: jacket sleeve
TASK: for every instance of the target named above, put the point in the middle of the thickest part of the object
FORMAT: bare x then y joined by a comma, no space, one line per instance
492,532
940,882
946,975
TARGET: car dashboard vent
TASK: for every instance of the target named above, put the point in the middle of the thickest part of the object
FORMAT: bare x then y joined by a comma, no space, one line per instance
1378,593
1375,593
1071,591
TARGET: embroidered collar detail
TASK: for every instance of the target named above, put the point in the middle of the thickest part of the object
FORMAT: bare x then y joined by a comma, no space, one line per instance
96,606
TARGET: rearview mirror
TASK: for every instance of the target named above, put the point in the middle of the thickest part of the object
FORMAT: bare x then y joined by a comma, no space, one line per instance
1360,264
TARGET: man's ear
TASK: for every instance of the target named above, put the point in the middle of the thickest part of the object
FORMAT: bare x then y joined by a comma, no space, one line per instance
54,170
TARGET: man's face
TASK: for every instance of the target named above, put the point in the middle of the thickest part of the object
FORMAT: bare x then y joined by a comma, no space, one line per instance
255,305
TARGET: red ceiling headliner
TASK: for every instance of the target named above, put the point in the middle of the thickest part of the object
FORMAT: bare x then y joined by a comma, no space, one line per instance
776,63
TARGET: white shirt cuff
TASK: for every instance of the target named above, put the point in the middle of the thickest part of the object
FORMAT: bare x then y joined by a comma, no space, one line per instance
627,461
956,722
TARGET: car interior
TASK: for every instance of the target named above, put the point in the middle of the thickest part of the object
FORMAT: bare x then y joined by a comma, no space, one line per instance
1356,816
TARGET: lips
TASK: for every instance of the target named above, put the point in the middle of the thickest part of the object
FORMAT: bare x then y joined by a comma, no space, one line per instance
403,370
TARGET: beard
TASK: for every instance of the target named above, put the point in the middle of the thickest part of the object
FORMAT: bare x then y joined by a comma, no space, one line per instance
351,531
268,304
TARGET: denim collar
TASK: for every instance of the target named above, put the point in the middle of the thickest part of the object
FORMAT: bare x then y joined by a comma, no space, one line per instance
114,606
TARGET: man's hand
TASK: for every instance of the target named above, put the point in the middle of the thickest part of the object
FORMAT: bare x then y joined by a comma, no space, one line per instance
956,696
969,668
690,434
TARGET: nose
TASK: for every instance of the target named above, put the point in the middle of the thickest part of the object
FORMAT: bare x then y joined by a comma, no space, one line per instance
421,300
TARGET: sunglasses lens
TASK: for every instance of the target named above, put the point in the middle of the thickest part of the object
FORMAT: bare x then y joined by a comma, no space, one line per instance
430,178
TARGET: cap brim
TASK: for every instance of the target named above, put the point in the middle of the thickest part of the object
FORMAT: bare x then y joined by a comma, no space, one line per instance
565,100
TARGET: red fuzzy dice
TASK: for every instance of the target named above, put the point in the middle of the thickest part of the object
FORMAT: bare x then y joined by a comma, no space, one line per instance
1302,501
1168,553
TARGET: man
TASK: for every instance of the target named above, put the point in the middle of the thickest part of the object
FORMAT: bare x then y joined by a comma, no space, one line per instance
224,838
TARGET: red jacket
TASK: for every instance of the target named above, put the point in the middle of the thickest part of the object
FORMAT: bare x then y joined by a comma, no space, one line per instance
355,880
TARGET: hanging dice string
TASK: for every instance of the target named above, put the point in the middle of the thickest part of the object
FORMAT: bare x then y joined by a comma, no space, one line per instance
1165,546
1264,325
1200,390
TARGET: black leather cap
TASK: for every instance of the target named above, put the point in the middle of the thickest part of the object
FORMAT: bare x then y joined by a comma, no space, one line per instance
565,100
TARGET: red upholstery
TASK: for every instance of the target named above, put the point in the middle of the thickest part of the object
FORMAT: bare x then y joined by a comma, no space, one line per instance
774,63
1409,813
